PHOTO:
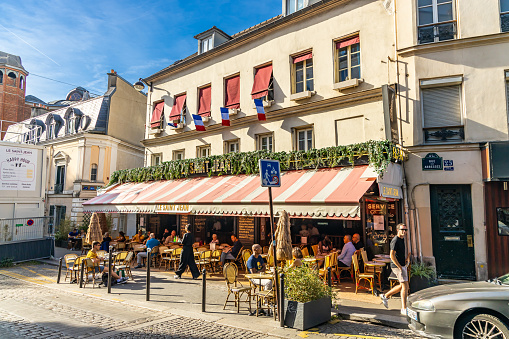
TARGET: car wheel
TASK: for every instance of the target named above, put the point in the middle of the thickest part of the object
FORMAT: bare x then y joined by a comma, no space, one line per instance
481,326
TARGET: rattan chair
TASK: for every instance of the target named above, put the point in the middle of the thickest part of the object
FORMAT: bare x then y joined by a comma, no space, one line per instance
230,273
365,277
125,265
329,262
370,269
175,258
246,254
350,269
205,260
69,265
315,249
215,259
305,252
162,254
89,270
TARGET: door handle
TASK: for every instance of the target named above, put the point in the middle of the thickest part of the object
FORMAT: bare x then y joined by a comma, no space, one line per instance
470,241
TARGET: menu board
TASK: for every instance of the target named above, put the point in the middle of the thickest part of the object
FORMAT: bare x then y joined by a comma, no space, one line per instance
184,220
246,230
199,224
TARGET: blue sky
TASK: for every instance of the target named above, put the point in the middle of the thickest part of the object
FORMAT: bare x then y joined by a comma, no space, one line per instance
78,42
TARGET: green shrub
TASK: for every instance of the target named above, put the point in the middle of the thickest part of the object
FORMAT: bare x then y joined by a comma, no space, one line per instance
302,284
63,229
423,270
6,262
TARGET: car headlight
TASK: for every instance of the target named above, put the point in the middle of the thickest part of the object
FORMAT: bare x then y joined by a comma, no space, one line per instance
424,305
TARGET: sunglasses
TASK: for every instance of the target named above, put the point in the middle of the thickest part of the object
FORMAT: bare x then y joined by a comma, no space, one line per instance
403,229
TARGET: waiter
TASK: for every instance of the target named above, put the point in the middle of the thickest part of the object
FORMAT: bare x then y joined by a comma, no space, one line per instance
187,255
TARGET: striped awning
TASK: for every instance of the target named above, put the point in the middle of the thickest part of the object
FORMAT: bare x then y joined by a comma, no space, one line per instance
323,193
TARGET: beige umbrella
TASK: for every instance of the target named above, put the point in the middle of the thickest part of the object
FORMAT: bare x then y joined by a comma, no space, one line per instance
283,238
94,230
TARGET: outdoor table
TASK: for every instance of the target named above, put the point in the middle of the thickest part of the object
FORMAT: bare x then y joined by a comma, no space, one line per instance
258,276
374,265
385,269
384,256
309,259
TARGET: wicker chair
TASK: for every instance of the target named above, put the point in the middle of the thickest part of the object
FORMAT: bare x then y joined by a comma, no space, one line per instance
215,259
329,262
69,265
205,260
162,254
125,265
246,254
305,252
230,273
366,277
89,268
350,269
175,258
367,269
315,249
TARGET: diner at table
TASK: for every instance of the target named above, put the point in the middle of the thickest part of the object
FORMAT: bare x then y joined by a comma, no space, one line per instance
345,258
325,246
256,264
98,268
172,239
297,257
151,243
105,244
72,239
231,252
138,237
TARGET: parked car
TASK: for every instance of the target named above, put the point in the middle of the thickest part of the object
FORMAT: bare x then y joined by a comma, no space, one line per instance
467,310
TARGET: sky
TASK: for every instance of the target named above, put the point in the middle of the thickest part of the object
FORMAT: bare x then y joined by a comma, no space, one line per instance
78,42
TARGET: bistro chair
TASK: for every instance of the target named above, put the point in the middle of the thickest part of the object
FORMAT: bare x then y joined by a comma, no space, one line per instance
69,265
246,254
365,277
315,249
238,259
89,268
350,269
121,246
267,298
328,263
370,269
305,252
175,258
152,256
125,265
85,247
234,287
77,266
162,254
215,259
205,260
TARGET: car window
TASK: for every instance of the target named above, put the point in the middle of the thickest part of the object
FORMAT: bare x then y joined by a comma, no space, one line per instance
504,279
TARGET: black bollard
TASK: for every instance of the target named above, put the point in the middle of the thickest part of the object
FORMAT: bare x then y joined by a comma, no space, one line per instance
203,289
60,270
329,276
148,275
282,300
82,270
110,258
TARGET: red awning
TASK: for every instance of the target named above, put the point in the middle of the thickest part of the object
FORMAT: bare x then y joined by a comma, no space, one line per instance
157,114
348,42
178,104
303,57
232,99
204,97
261,82
324,193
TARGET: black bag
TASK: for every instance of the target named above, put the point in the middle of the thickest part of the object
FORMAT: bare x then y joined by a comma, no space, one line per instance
104,279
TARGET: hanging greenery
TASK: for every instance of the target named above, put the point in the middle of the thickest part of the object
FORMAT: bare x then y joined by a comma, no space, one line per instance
378,153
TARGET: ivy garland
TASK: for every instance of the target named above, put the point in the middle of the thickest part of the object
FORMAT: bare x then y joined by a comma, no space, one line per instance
379,154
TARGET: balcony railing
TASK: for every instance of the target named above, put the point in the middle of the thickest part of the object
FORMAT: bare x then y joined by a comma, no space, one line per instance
59,188
437,32
444,134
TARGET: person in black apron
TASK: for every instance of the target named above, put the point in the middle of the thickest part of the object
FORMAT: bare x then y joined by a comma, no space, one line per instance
187,255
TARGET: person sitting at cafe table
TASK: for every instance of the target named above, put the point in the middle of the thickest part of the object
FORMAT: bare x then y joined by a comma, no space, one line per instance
105,244
172,238
72,238
166,234
231,252
151,243
214,240
304,231
121,237
138,237
357,242
345,258
325,245
255,264
297,257
92,254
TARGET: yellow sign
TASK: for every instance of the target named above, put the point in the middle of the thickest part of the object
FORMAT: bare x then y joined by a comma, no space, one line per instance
173,208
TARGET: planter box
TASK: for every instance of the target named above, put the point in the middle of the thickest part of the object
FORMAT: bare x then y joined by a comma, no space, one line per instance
420,283
306,315
61,243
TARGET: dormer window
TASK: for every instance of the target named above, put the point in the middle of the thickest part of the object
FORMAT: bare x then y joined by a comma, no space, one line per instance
72,121
211,38
206,44
294,5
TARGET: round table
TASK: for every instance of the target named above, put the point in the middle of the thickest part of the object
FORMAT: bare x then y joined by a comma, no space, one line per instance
382,260
384,256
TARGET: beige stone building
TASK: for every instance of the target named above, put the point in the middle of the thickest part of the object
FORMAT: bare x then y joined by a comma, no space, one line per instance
85,143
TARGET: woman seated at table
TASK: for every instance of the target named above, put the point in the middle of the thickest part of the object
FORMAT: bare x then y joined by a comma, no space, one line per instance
325,246
214,240
297,257
121,237
105,244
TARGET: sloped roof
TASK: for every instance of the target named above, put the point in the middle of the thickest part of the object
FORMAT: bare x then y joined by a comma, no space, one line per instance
34,99
12,60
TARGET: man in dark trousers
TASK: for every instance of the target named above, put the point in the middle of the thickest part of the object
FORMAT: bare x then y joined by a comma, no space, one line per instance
400,260
187,255
233,251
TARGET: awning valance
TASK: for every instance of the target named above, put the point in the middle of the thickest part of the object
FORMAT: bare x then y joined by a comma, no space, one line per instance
325,193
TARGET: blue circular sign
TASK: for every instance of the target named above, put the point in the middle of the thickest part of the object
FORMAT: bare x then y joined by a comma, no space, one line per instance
30,222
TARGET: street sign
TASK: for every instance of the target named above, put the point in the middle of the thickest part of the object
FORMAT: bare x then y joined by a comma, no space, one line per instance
432,162
30,222
270,173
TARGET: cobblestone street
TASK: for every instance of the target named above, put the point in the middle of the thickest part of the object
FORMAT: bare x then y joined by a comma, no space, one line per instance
33,305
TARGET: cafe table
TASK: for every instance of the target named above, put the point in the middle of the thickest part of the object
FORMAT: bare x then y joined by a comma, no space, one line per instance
259,277
383,256
374,264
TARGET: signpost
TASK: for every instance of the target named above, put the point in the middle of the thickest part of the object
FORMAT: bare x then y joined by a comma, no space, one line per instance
270,176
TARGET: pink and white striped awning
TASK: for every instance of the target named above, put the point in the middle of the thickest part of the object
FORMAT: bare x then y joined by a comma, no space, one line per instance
324,193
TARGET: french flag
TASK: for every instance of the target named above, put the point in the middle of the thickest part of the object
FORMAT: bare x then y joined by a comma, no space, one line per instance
259,109
225,116
172,124
198,123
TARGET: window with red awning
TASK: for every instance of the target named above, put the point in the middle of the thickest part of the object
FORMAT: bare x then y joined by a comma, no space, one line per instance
204,98
178,105
261,83
347,42
157,115
302,57
232,92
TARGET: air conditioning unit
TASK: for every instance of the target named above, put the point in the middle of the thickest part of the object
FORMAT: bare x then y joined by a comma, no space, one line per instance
233,111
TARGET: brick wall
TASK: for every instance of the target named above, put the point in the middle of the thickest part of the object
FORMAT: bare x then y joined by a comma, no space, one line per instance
12,100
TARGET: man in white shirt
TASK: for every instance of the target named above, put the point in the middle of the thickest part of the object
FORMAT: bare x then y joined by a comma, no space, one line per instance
345,258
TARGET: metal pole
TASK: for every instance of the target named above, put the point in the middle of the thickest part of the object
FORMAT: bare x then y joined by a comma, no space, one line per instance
60,270
274,250
203,289
329,276
82,270
148,275
110,258
282,301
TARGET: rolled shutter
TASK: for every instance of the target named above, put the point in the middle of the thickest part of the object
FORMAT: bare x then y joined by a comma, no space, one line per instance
441,106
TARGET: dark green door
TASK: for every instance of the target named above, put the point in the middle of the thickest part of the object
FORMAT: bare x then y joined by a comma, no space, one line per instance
452,231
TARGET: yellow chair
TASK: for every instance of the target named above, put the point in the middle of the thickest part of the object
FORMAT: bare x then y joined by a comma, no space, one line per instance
205,260
230,273
329,262
215,259
125,265
245,257
175,258
69,265
366,277
305,252
370,269
315,249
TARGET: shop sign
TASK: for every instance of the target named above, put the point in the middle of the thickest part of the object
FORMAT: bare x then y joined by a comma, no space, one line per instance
432,162
390,191
173,208
374,208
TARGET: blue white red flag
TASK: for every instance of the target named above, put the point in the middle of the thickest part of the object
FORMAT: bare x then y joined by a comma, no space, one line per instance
172,124
259,109
225,116
198,123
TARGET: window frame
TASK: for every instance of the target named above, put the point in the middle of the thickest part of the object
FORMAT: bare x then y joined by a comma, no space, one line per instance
304,75
2,72
270,94
154,157
229,143
296,5
8,72
178,152
304,129
93,175
201,148
62,176
259,139
210,43
337,70
434,5
225,90
502,14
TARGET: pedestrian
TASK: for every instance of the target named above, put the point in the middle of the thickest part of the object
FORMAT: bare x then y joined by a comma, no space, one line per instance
187,256
399,266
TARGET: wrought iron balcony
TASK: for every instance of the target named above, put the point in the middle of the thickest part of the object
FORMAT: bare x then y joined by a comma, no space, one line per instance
504,22
444,134
59,188
437,32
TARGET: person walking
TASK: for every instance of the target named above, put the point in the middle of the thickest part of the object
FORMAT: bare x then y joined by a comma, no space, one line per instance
187,255
400,260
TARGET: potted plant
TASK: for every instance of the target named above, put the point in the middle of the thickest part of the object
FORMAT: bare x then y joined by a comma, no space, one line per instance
422,276
307,299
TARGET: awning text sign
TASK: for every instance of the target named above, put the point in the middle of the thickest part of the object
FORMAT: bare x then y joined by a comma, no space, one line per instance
17,168
173,208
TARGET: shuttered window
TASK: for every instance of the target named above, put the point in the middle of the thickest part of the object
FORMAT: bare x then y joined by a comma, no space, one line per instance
441,106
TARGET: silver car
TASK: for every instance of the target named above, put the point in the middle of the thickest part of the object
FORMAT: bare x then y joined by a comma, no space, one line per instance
466,310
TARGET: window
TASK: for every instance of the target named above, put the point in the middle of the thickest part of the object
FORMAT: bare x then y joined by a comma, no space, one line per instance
157,115
504,15
204,101
93,172
203,151
179,109
206,44
263,87
59,179
232,146
156,159
348,54
304,139
11,78
303,73
265,142
1,76
232,92
503,220
51,130
441,108
178,155
294,5
436,21
21,82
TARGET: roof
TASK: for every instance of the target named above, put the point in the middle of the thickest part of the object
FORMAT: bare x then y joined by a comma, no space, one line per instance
12,60
34,99
210,30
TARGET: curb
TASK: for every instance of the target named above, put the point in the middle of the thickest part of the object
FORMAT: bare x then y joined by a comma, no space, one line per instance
372,318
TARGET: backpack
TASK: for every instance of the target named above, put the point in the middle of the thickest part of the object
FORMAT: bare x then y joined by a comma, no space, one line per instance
104,279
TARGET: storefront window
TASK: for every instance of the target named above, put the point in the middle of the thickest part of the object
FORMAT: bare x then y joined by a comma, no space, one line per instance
503,220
